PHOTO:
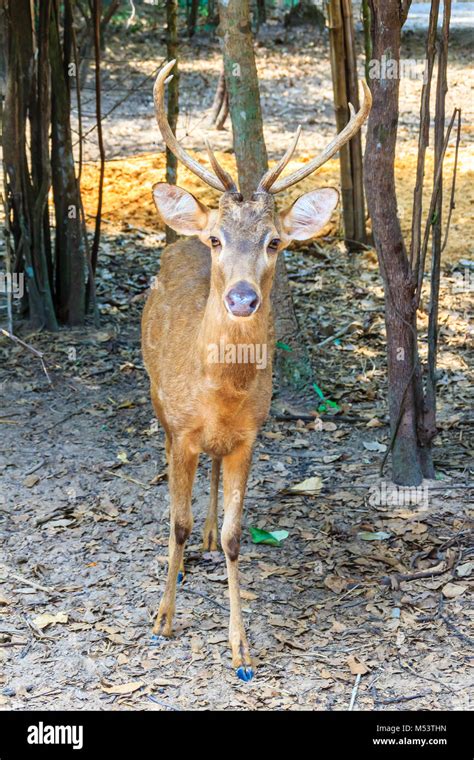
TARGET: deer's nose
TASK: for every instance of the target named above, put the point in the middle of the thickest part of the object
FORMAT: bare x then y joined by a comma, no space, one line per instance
242,300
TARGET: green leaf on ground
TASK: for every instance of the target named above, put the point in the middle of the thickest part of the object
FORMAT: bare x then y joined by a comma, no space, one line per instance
368,536
273,538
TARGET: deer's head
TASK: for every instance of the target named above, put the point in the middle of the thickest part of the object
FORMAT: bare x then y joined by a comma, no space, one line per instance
245,236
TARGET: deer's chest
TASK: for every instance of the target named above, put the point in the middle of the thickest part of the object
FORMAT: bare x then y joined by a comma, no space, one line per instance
223,426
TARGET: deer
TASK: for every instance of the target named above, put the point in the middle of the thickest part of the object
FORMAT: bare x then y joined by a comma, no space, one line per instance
214,290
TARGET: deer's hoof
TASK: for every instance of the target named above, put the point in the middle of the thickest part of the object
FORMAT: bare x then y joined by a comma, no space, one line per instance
245,673
156,640
180,577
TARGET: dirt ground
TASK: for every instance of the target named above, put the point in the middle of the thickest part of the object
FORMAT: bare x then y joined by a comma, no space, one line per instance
364,585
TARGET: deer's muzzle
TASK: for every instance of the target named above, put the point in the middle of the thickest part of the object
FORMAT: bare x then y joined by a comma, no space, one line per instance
242,300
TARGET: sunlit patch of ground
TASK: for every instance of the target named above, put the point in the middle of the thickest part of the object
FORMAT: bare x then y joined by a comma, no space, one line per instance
127,198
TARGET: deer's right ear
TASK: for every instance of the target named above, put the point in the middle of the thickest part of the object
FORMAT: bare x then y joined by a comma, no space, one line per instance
180,210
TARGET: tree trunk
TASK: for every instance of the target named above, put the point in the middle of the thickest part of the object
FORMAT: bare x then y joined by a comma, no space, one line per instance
27,197
293,367
244,97
399,285
192,17
69,243
355,145
38,89
429,418
345,86
220,106
261,12
211,12
96,16
367,39
338,69
173,97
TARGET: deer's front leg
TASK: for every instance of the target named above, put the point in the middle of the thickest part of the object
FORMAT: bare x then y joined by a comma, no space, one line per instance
181,470
235,471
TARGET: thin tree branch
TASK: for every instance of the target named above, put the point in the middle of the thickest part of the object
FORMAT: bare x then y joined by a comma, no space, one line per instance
100,139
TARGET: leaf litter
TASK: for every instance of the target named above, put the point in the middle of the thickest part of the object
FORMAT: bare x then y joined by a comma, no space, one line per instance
83,508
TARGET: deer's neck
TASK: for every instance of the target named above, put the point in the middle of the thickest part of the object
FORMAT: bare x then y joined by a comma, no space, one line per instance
233,351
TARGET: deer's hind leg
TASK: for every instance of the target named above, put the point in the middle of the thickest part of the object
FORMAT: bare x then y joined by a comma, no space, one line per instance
181,472
210,530
181,573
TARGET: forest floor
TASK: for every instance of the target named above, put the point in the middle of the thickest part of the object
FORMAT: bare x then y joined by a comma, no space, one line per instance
368,582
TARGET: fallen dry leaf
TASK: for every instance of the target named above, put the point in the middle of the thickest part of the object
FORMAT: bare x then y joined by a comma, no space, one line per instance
374,446
374,422
462,571
453,590
196,645
46,618
338,627
335,583
310,486
124,688
356,666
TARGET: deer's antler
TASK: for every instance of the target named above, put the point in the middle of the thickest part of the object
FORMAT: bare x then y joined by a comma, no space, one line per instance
220,180
268,182
270,177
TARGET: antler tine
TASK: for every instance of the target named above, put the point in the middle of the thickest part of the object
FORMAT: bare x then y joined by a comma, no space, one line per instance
221,173
355,122
169,138
272,174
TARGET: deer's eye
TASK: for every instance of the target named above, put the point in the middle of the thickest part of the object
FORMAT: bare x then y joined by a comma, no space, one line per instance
215,242
273,244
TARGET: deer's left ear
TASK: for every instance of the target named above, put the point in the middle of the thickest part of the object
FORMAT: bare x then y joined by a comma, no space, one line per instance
308,214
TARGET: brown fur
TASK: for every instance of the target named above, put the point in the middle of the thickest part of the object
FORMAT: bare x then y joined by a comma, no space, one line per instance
215,408
206,405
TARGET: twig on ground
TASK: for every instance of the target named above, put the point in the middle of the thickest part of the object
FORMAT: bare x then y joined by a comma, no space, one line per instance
33,469
33,350
425,678
397,578
349,591
65,418
467,639
354,692
128,479
163,704
49,693
13,644
335,335
394,700
206,597
28,582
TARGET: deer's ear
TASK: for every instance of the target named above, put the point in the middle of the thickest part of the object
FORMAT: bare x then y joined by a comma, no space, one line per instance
180,210
308,214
